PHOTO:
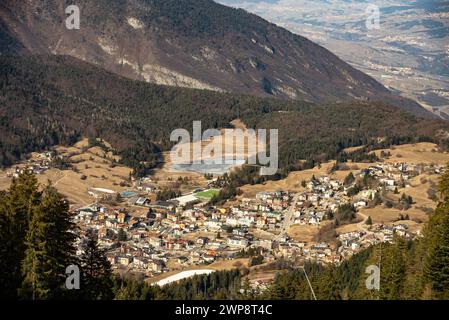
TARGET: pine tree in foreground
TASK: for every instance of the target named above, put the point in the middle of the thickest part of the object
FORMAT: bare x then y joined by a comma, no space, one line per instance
49,248
96,274
16,207
436,267
437,261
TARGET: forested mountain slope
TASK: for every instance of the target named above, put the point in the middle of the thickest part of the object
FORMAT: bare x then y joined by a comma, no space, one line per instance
56,100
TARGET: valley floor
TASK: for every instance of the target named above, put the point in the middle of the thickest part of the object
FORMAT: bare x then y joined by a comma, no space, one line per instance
286,218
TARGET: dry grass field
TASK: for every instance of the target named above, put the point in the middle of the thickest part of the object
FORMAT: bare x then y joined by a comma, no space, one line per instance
418,213
353,149
293,181
193,236
303,233
263,276
423,152
352,227
89,162
229,264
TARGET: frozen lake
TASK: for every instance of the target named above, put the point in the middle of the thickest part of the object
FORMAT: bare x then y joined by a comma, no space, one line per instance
217,169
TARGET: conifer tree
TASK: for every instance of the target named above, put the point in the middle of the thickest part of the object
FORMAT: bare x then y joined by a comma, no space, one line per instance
436,244
16,207
369,221
436,266
393,268
49,248
96,281
414,284
349,179
329,284
9,277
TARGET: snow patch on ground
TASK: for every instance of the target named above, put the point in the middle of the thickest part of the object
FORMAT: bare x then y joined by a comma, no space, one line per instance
135,23
267,48
183,275
107,46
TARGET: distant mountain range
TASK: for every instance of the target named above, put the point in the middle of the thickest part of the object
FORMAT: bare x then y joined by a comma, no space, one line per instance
409,53
195,44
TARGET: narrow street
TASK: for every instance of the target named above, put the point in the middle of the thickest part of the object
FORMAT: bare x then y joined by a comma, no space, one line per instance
288,218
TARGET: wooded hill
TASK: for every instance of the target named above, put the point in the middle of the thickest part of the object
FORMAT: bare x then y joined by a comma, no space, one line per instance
51,100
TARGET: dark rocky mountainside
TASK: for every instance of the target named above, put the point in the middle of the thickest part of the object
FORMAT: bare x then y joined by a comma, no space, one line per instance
190,43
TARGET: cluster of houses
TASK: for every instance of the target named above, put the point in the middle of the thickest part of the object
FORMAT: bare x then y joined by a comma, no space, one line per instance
186,231
150,242
393,175
353,242
323,196
37,164
348,244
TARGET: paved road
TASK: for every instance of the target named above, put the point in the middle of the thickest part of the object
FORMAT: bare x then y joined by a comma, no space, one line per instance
288,218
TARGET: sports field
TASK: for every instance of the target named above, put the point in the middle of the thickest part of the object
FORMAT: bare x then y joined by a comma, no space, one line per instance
207,194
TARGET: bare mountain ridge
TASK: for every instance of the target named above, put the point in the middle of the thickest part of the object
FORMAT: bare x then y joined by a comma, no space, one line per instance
196,44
